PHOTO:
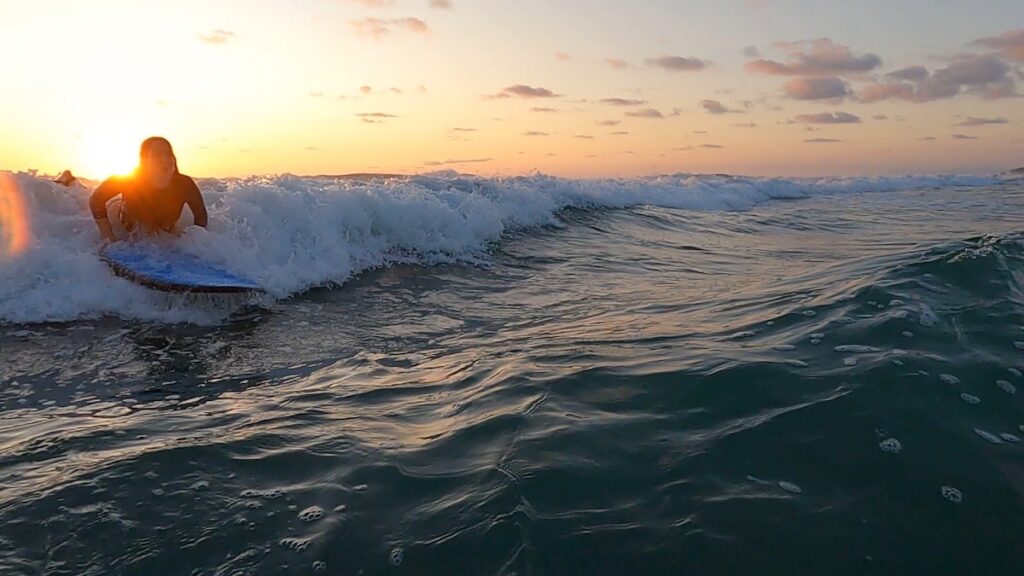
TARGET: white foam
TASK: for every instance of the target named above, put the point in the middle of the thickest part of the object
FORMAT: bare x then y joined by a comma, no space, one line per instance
790,487
970,398
311,514
1006,386
952,494
289,233
855,349
949,379
990,437
890,445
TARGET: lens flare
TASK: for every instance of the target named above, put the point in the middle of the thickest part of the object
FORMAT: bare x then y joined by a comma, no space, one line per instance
14,222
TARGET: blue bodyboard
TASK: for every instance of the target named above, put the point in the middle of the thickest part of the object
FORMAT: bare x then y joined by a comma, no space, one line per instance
170,270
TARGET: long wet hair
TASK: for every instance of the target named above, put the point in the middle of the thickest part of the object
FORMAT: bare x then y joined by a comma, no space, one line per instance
148,143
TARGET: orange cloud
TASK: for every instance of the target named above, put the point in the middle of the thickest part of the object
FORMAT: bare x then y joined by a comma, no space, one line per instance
378,28
217,36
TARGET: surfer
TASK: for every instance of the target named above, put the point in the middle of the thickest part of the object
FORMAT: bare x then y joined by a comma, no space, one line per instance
152,197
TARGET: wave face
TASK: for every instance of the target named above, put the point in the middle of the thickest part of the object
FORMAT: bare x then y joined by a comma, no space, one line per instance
290,234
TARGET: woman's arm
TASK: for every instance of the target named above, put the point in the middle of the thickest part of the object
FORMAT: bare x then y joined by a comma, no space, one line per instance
98,206
194,199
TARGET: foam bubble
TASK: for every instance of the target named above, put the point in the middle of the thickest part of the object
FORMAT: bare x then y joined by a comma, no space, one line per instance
1018,345
1006,387
319,566
790,487
1015,372
952,494
908,334
797,363
970,398
896,302
784,347
396,556
855,349
849,361
311,514
949,379
890,445
1009,437
818,335
990,437
295,544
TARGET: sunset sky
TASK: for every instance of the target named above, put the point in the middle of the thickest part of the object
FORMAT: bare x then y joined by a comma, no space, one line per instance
581,88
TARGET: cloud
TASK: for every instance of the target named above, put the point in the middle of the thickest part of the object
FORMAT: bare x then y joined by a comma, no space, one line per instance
985,75
217,36
375,117
715,107
827,118
523,91
440,4
365,89
316,94
711,146
616,63
751,52
912,73
466,161
926,138
827,88
879,117
534,133
463,129
373,3
746,125
972,121
544,110
378,28
619,133
820,57
821,140
678,63
963,137
608,122
583,136
1009,44
646,113
622,102
562,56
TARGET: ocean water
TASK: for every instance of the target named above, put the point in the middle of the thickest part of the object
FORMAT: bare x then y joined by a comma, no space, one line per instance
459,375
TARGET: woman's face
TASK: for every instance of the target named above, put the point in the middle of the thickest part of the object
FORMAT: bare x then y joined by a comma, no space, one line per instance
158,165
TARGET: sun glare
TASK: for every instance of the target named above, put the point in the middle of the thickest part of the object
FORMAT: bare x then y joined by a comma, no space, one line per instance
14,223
108,154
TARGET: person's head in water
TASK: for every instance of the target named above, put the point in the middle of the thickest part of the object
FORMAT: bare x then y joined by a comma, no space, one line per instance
157,164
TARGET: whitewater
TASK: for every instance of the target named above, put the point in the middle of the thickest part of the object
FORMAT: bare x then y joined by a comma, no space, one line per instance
290,233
